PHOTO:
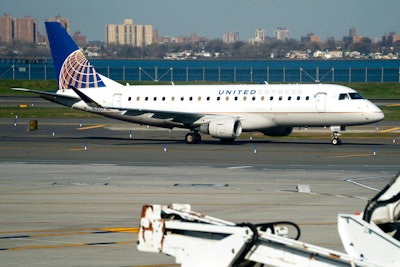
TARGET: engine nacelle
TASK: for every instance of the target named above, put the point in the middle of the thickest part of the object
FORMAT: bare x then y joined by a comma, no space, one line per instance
222,128
278,131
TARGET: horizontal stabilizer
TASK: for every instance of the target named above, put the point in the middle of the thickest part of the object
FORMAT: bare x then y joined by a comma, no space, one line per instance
66,100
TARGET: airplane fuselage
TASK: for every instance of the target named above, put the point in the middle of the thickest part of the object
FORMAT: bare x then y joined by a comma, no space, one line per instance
257,106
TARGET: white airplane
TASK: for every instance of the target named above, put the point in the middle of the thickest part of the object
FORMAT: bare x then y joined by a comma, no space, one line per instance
222,111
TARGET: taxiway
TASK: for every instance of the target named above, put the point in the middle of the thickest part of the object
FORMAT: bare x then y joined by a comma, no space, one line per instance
71,192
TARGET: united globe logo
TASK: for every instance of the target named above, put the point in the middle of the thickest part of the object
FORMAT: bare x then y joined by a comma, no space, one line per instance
78,72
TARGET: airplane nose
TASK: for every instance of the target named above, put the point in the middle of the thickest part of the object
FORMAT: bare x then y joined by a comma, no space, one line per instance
379,116
375,115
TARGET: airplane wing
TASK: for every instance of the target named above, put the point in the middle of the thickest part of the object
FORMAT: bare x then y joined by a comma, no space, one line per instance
180,117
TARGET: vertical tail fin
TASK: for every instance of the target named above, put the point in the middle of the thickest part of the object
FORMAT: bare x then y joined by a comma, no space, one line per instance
72,67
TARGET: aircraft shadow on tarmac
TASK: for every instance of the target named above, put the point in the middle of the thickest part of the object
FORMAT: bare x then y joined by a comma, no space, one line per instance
123,141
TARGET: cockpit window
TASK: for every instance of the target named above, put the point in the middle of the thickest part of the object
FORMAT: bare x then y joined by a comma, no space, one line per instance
350,96
356,96
343,96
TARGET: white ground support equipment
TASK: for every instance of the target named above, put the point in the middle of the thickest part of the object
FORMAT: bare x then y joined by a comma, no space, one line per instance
194,239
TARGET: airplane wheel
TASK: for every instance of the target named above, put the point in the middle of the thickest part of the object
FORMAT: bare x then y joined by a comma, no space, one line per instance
197,138
193,138
336,141
190,138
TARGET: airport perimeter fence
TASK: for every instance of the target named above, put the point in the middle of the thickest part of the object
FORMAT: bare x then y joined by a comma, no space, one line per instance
189,74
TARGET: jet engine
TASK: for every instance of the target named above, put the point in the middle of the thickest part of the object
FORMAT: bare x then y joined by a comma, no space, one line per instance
227,128
278,131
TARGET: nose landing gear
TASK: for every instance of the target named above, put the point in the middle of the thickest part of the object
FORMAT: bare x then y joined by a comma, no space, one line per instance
335,134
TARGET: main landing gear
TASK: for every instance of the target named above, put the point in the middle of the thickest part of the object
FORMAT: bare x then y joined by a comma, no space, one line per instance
193,137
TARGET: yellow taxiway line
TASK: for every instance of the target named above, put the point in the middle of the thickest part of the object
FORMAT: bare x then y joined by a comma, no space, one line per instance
390,130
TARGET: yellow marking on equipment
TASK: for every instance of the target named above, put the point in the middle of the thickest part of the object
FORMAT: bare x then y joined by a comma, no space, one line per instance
348,156
92,127
390,130
393,105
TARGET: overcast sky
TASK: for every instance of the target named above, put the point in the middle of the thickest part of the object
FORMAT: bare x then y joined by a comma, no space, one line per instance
213,18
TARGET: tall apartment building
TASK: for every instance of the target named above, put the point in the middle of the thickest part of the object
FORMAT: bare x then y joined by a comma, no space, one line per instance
231,37
260,35
129,34
18,29
281,34
64,22
391,38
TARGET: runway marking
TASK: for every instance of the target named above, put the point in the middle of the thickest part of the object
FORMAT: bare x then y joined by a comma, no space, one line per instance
74,232
69,245
362,185
44,233
91,127
348,156
390,130
157,265
239,167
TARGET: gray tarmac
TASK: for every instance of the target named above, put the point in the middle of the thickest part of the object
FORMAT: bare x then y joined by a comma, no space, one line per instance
71,194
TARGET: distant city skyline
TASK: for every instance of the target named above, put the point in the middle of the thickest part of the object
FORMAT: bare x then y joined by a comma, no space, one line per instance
213,19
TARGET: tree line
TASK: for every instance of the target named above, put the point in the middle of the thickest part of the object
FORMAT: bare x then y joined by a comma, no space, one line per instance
276,49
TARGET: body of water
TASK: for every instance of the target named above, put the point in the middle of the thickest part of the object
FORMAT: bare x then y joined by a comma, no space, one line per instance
252,71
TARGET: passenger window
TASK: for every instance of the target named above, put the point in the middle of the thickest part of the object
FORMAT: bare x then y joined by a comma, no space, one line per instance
208,98
289,98
227,98
173,98
307,98
155,98
253,98
129,98
163,99
280,98
298,98
190,98
182,98
262,98
137,98
218,98
199,98
146,98
244,98
271,98
236,98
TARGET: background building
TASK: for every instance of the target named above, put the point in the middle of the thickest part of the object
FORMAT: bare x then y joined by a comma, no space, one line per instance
281,34
64,22
79,39
129,34
260,36
16,29
231,37
310,38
